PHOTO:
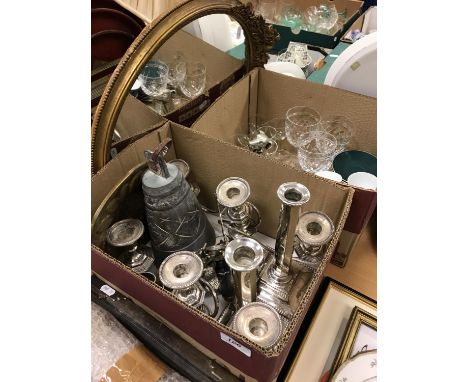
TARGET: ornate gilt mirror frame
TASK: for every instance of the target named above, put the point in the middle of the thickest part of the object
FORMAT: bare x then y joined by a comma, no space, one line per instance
259,38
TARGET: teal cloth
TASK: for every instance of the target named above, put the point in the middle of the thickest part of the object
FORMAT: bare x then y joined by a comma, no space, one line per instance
319,75
237,52
316,76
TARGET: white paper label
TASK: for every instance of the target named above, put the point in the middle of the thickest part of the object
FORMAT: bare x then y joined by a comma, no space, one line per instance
236,344
107,290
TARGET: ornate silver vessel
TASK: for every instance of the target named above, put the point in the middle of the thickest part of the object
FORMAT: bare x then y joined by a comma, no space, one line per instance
241,216
276,279
314,232
181,272
258,322
175,219
244,255
125,234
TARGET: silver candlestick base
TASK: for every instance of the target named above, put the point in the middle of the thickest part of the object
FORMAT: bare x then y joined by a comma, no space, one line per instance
275,289
259,323
181,272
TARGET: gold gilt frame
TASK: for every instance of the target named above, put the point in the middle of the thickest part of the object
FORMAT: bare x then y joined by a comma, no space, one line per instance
259,38
358,318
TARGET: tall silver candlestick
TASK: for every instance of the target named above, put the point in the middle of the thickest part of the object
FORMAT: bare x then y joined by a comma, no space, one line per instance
276,279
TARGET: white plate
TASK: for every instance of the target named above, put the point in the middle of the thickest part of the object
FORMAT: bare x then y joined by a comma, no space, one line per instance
287,68
360,368
355,69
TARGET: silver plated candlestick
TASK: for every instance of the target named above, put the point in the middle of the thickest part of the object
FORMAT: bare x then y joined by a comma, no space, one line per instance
258,322
125,234
232,194
314,232
276,279
244,255
181,272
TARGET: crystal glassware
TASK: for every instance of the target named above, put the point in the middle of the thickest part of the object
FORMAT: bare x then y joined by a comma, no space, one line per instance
341,128
318,154
195,79
301,121
154,78
267,8
292,17
176,69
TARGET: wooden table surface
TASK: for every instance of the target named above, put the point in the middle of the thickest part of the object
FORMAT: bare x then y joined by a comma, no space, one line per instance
360,272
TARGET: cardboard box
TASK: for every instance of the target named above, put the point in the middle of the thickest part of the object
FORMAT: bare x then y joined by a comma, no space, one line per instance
270,95
211,161
222,70
353,8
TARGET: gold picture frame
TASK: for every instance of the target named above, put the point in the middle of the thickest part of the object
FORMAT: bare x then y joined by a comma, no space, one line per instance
324,330
359,321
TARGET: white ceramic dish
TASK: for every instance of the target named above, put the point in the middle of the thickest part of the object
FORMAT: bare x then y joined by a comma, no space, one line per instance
287,68
363,180
330,175
355,69
360,368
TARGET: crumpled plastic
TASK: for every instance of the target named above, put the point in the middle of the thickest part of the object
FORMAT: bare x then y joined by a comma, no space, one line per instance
110,341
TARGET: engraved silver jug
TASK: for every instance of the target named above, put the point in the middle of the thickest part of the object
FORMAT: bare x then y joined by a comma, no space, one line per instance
175,219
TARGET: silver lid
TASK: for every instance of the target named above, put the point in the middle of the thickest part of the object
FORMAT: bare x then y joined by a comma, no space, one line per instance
125,232
258,322
243,254
293,194
314,228
232,192
180,270
182,165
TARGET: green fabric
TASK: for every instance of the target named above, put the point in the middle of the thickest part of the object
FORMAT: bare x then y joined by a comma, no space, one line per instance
319,75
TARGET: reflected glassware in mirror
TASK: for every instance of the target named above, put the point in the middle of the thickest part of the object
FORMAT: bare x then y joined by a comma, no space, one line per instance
195,79
301,121
154,78
341,128
267,8
176,69
292,17
318,154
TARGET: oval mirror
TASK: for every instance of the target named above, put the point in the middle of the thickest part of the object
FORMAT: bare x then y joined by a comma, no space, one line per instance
179,61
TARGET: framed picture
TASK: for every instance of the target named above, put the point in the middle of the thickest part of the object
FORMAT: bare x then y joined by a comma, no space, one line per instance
360,336
321,335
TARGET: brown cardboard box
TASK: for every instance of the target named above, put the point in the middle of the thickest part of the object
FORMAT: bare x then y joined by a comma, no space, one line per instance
222,70
270,95
211,161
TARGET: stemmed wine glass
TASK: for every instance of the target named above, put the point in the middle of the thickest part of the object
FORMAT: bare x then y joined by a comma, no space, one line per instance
194,82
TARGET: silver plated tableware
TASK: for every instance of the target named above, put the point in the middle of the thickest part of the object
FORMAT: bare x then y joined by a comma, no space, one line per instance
125,234
232,194
258,322
181,272
314,231
276,280
244,255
